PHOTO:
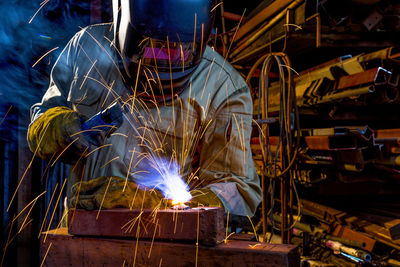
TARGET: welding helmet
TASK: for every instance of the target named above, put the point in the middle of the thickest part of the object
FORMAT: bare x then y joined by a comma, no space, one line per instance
161,42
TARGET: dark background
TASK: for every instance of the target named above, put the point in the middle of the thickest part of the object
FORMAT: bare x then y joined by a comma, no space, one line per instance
24,38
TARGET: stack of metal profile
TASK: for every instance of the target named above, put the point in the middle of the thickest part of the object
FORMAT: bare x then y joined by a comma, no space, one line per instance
295,26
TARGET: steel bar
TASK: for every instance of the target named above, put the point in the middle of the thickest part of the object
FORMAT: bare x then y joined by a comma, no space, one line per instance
263,29
261,16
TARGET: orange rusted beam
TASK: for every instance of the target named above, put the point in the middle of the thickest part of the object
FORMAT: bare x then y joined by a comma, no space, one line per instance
358,79
387,133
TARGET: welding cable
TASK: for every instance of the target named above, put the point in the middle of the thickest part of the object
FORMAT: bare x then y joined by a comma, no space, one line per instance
284,112
288,98
288,106
254,67
263,103
266,152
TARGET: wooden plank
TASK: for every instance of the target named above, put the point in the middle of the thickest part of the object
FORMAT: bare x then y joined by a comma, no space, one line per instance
203,224
61,249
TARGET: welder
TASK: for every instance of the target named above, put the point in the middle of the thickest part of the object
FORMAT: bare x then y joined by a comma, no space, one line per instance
191,106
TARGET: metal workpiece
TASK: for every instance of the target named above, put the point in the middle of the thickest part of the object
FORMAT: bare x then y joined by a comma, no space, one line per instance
203,225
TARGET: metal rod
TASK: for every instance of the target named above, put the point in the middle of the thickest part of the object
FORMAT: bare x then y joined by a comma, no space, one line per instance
290,203
283,211
225,38
318,29
264,205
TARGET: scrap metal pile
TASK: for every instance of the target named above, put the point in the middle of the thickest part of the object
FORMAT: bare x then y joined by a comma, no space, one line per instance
352,104
333,148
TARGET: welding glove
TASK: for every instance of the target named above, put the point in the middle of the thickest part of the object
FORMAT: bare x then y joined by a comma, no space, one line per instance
109,192
204,198
54,131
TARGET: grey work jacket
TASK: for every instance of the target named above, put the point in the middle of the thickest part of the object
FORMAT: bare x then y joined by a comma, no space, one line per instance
206,130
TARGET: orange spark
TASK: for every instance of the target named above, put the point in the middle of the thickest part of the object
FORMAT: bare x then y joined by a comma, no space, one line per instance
152,240
62,152
41,6
105,164
26,170
255,245
47,210
51,219
45,255
45,54
6,114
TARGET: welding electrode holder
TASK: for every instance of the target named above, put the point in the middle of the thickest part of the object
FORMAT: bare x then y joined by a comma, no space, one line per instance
105,121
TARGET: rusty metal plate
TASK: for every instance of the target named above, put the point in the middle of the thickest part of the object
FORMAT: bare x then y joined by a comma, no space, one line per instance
202,225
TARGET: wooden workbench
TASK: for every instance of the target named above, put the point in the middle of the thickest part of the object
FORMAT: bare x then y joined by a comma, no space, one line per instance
59,249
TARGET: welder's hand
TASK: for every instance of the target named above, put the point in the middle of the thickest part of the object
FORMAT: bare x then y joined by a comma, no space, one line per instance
114,192
54,131
204,198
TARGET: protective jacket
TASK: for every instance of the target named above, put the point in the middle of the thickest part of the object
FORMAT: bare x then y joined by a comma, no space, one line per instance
206,129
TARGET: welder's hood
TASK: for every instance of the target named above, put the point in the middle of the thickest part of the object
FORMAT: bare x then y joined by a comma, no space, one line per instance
163,40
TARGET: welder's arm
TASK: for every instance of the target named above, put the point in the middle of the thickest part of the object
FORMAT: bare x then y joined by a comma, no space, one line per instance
54,125
226,163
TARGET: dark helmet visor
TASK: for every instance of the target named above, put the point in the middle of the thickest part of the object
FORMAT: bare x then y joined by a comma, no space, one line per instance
167,55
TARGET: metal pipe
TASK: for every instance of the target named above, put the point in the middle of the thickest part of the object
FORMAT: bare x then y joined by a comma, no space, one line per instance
254,51
345,94
318,29
264,205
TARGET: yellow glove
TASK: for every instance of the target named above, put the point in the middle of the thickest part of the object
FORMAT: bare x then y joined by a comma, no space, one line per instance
204,198
56,129
114,192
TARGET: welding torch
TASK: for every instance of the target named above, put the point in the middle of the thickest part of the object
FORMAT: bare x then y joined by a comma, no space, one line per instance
107,121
